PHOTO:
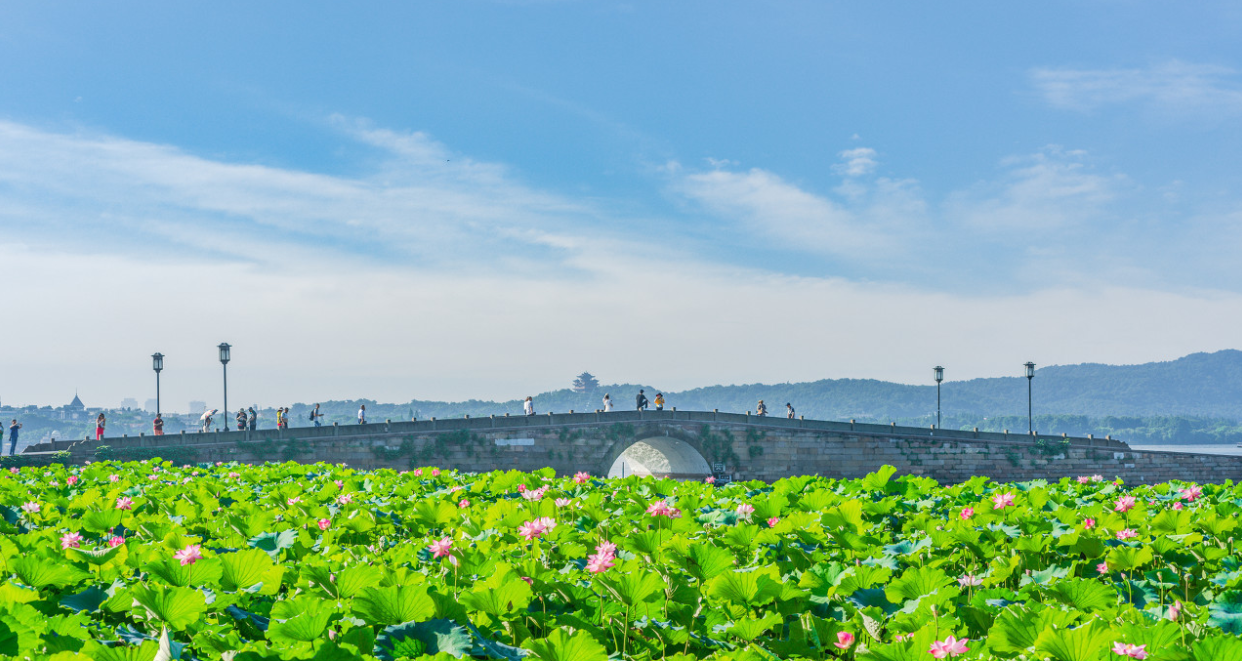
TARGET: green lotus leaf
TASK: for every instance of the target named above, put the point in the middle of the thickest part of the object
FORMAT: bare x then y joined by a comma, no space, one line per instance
1085,643
1084,594
246,568
97,521
274,542
40,572
560,646
388,606
705,562
301,619
413,639
205,572
750,628
1126,558
88,600
1218,649
744,588
176,607
917,582
1225,612
511,596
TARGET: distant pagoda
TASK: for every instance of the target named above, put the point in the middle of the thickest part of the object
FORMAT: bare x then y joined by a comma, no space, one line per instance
585,383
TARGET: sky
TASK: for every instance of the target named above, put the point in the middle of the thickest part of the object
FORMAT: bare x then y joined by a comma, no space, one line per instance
483,199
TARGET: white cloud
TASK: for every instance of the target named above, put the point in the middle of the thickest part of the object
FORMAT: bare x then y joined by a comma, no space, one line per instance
858,162
1175,86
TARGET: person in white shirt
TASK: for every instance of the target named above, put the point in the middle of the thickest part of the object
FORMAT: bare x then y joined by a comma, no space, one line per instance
362,414
528,407
607,402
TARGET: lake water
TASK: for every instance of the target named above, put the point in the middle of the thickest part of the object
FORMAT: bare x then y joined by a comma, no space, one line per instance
1214,448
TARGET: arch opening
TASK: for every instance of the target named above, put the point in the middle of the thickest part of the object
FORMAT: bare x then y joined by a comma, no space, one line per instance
661,456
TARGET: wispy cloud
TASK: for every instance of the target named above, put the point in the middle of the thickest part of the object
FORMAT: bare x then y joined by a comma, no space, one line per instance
858,162
1175,87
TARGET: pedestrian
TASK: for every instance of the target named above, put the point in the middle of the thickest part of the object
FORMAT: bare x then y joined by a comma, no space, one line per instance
253,421
157,425
789,411
315,415
362,414
206,418
659,401
641,400
13,428
100,423
284,419
528,406
763,408
241,419
280,418
607,403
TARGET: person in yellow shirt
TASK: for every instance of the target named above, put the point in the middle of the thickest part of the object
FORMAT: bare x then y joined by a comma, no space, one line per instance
659,401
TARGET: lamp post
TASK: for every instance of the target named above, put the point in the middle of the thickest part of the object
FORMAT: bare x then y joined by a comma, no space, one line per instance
224,360
939,372
1030,374
157,364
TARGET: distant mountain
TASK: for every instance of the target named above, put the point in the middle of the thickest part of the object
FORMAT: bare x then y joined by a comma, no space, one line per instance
1205,385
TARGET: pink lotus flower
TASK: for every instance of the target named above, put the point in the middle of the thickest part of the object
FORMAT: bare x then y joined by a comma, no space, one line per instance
536,528
999,502
844,640
441,547
31,507
967,512
745,509
603,559
125,503
563,502
606,547
234,475
581,477
1083,479
535,494
1132,651
418,472
113,478
521,488
1125,504
435,472
455,488
340,484
1102,568
1088,523
1097,478
528,580
323,524
660,508
116,541
15,470
970,581
344,499
948,647
187,480
293,501
1175,611
70,540
773,521
1191,493
71,480
1128,533
189,555
711,479
464,503
1178,505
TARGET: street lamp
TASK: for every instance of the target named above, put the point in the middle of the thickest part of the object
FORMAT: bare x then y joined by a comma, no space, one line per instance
939,372
157,364
224,360
1030,374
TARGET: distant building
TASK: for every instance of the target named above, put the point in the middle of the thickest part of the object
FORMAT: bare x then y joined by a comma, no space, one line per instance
129,403
197,407
150,406
76,404
586,382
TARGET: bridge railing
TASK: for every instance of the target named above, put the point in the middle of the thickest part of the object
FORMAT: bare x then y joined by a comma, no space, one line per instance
433,425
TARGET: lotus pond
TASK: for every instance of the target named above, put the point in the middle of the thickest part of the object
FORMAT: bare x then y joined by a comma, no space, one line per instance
147,560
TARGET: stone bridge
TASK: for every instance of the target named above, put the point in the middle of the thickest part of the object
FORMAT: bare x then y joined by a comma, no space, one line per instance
678,444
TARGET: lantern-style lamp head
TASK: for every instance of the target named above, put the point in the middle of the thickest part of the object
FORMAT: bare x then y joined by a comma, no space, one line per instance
1030,370
157,362
224,353
939,372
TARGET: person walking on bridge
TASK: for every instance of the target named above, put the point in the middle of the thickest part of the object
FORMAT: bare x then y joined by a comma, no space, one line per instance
659,401
13,429
315,415
763,408
100,423
157,425
362,414
528,406
640,401
607,403
241,419
789,411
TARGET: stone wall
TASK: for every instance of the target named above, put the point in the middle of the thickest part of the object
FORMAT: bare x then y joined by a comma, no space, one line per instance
749,447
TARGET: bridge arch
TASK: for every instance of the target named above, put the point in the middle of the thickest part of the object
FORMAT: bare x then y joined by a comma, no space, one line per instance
660,456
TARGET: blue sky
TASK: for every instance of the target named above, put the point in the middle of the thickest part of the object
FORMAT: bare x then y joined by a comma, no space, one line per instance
443,200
